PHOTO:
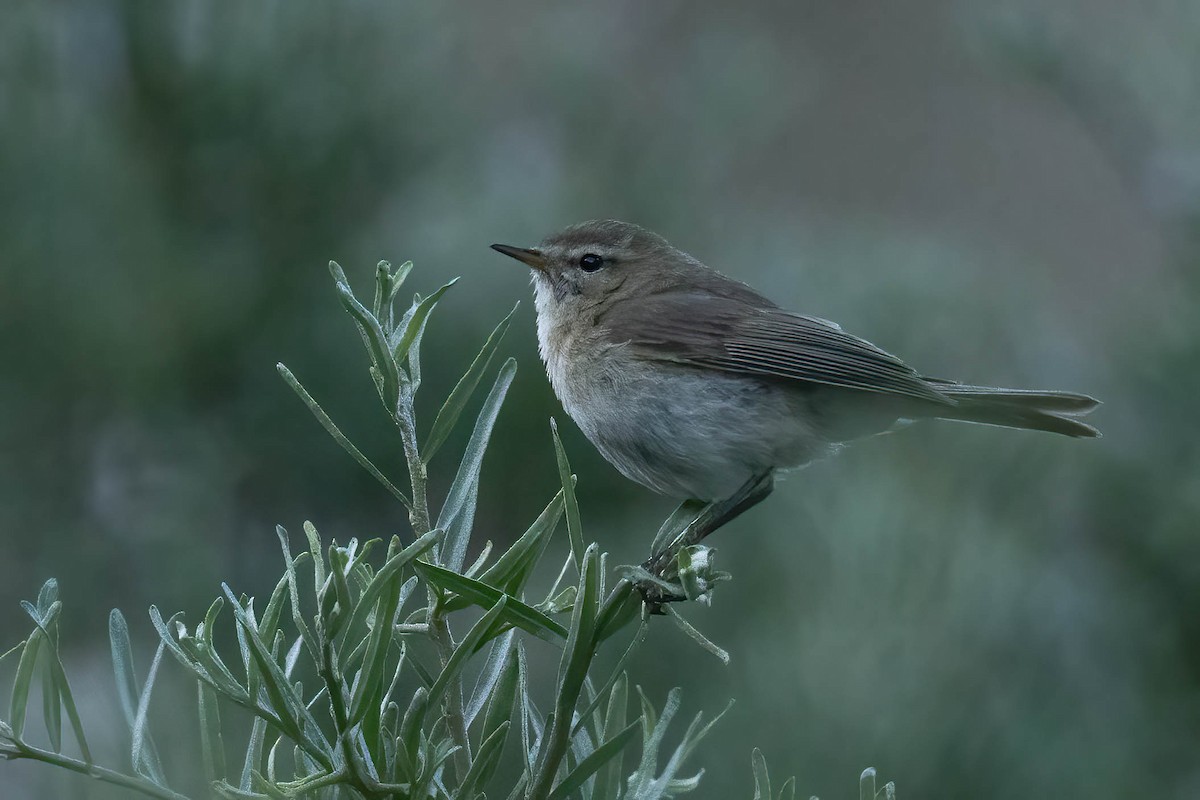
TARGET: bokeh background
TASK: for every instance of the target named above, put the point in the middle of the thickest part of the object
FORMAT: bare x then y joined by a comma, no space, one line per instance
998,190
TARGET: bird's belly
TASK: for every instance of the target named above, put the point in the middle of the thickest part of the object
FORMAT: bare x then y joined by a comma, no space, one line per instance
690,433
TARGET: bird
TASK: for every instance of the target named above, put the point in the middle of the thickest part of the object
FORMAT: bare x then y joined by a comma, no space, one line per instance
699,387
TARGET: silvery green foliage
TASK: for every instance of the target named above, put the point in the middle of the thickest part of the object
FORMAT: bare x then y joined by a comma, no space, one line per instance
762,783
353,679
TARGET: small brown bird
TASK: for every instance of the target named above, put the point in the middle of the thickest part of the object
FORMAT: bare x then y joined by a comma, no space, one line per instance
697,386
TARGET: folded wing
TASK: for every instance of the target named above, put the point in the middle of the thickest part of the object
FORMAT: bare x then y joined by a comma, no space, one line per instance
740,331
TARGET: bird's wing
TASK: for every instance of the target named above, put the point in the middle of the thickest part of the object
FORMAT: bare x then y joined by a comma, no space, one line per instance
742,332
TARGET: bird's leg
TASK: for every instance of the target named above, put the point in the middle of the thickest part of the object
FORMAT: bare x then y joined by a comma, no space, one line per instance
662,565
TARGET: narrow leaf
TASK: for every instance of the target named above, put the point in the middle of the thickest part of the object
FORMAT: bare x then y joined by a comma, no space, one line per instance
318,555
513,568
650,787
866,784
516,613
578,653
529,734
450,411
58,673
164,628
642,784
211,742
479,633
51,706
339,565
500,703
622,606
271,614
377,345
610,781
413,351
405,335
698,637
410,730
339,274
16,650
22,683
497,660
253,753
612,678
573,668
762,779
210,619
581,746
297,722
480,559
696,734
51,698
340,437
574,525
483,765
369,688
458,512
142,751
47,597
599,757
289,566
382,579
398,278
383,290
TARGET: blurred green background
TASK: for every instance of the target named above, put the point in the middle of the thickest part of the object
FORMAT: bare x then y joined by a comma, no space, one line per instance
999,191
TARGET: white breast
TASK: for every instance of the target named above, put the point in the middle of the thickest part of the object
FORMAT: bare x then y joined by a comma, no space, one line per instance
579,362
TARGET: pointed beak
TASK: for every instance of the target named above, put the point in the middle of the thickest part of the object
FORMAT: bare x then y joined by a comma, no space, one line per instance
528,256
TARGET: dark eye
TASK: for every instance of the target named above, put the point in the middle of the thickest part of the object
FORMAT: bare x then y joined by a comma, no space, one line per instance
591,262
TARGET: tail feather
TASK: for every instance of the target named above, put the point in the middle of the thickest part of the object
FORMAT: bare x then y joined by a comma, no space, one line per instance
1054,412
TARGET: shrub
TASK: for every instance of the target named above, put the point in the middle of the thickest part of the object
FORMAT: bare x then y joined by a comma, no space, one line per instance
354,679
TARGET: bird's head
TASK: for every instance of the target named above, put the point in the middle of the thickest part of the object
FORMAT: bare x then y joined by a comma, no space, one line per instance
589,263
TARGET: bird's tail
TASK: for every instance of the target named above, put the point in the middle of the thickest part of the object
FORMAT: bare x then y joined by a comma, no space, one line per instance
1032,409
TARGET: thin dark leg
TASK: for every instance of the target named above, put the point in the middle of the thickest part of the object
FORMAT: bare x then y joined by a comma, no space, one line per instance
712,517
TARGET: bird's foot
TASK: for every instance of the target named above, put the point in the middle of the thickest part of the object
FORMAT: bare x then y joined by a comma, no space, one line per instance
682,569
656,592
691,576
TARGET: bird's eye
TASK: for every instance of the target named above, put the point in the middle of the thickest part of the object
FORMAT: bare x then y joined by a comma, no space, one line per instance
591,262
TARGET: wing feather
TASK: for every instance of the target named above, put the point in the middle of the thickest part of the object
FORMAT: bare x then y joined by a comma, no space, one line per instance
743,332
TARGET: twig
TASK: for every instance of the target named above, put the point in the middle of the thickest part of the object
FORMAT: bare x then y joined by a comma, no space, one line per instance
438,628
141,785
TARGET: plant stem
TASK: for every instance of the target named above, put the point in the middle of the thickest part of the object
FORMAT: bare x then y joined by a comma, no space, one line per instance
438,627
92,770
453,702
418,514
558,737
